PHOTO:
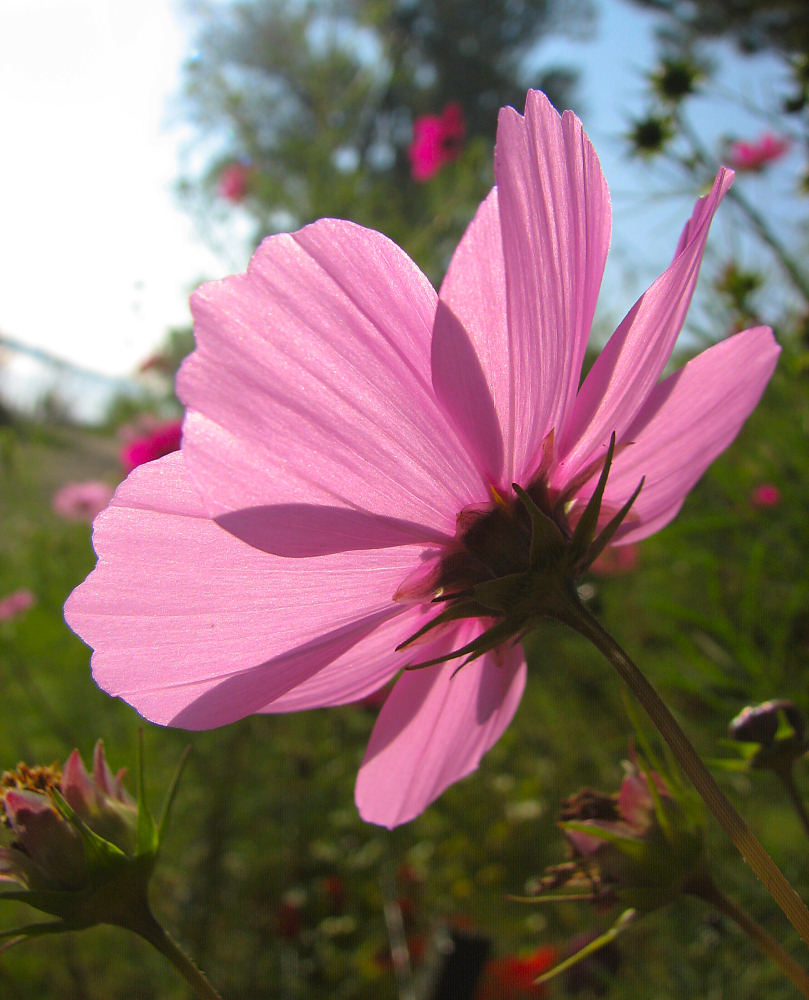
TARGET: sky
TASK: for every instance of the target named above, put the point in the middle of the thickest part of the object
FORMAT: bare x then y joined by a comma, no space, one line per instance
96,256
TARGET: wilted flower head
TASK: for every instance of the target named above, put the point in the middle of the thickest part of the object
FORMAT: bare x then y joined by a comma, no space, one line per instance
15,604
765,495
48,851
437,140
757,153
81,501
234,181
81,849
649,135
375,476
676,78
160,439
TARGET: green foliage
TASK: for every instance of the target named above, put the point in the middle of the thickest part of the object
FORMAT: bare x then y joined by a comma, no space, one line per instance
268,876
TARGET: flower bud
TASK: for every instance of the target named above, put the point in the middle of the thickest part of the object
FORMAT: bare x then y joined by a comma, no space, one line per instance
777,726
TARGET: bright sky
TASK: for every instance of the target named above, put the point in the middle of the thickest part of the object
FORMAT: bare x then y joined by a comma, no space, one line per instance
96,257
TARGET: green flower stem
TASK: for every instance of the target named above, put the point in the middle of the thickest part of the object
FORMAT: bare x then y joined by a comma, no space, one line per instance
144,925
786,776
707,890
574,614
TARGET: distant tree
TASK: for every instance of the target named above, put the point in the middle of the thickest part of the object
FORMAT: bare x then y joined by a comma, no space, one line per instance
305,109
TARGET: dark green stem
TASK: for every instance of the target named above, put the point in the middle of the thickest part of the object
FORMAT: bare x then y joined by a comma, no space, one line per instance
785,774
705,889
579,618
144,925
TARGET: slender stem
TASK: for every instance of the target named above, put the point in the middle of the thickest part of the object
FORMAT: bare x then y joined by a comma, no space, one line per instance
786,776
707,890
150,930
579,618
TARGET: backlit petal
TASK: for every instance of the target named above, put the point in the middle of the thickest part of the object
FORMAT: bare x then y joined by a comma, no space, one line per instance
628,368
434,729
177,605
689,419
555,219
311,383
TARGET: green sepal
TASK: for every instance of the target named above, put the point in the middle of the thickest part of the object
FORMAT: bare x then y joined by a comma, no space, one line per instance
586,526
620,925
633,847
500,595
147,839
545,533
464,609
601,542
101,854
170,795
484,643
57,902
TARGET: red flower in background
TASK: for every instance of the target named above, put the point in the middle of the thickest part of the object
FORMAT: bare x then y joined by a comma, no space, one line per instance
234,181
161,439
437,140
513,976
758,153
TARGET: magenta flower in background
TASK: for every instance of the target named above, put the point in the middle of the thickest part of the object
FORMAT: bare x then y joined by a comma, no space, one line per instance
234,181
756,154
159,440
81,501
437,140
349,449
765,495
15,604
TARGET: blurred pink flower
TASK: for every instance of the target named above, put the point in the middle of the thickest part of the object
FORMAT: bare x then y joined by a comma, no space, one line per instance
349,449
234,181
765,495
756,154
81,501
616,559
161,439
14,604
437,140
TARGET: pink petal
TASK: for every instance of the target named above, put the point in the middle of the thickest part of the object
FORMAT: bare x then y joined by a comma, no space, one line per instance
359,672
555,218
76,785
434,729
688,420
628,368
301,530
177,605
470,371
310,384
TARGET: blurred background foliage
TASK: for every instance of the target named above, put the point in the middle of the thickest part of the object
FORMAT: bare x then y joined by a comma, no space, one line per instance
268,876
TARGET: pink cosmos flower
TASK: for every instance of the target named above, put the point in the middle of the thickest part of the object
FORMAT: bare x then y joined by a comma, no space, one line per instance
161,439
756,154
437,140
234,181
765,495
81,501
15,603
349,449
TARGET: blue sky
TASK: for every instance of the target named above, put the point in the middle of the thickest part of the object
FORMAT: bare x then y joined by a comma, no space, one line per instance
96,258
